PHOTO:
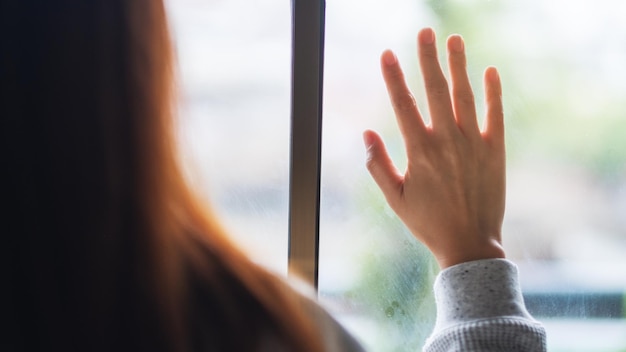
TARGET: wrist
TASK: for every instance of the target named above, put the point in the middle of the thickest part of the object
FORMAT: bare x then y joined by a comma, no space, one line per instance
467,253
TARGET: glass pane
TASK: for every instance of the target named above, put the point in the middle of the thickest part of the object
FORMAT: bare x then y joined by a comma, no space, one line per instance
234,57
562,65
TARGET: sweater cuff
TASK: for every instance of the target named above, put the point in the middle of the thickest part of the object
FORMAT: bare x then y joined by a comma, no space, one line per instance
477,290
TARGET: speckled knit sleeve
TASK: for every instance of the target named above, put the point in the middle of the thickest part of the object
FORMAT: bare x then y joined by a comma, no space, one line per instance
480,308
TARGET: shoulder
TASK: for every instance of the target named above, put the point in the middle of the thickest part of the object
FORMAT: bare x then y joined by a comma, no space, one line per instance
335,336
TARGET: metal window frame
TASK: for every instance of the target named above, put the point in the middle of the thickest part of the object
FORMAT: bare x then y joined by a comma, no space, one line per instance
308,22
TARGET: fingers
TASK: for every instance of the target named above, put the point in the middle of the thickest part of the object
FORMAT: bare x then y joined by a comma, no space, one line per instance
462,95
494,121
381,167
403,102
449,108
437,91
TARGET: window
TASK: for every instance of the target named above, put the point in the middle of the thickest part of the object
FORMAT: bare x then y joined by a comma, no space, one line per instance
235,64
564,88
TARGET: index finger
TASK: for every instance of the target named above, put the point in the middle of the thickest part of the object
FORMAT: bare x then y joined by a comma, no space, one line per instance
404,105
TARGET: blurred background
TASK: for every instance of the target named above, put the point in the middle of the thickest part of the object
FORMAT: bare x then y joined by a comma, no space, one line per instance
562,66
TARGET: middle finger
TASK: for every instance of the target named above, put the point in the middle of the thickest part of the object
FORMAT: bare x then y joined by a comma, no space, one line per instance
462,95
437,91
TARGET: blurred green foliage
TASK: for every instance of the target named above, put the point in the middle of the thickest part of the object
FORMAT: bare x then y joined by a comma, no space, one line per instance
395,286
557,106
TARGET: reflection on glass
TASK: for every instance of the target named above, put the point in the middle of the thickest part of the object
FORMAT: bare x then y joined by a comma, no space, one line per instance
234,57
565,93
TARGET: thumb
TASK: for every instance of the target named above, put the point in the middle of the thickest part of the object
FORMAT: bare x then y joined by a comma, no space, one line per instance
381,167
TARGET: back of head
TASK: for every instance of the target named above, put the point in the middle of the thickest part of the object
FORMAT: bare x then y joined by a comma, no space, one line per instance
105,247
78,88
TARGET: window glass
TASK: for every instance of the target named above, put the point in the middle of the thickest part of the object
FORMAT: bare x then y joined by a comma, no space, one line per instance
562,66
561,63
234,59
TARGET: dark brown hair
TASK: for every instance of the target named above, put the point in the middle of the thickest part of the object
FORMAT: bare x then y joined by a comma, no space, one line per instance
106,246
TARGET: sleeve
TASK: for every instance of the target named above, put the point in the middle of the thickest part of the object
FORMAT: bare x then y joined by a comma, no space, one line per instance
480,308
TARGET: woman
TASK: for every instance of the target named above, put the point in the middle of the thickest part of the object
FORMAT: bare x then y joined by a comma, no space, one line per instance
106,246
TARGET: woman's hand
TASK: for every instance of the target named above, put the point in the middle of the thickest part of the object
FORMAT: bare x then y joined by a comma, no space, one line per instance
452,194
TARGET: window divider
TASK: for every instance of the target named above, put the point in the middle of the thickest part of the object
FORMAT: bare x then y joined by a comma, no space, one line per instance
308,21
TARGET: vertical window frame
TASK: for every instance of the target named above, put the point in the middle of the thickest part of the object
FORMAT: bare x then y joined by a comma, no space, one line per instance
308,27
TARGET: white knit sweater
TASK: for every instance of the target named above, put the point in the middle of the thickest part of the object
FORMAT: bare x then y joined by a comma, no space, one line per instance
480,308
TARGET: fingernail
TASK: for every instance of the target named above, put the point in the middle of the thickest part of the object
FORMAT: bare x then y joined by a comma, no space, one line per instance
494,76
457,43
389,58
368,140
427,36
